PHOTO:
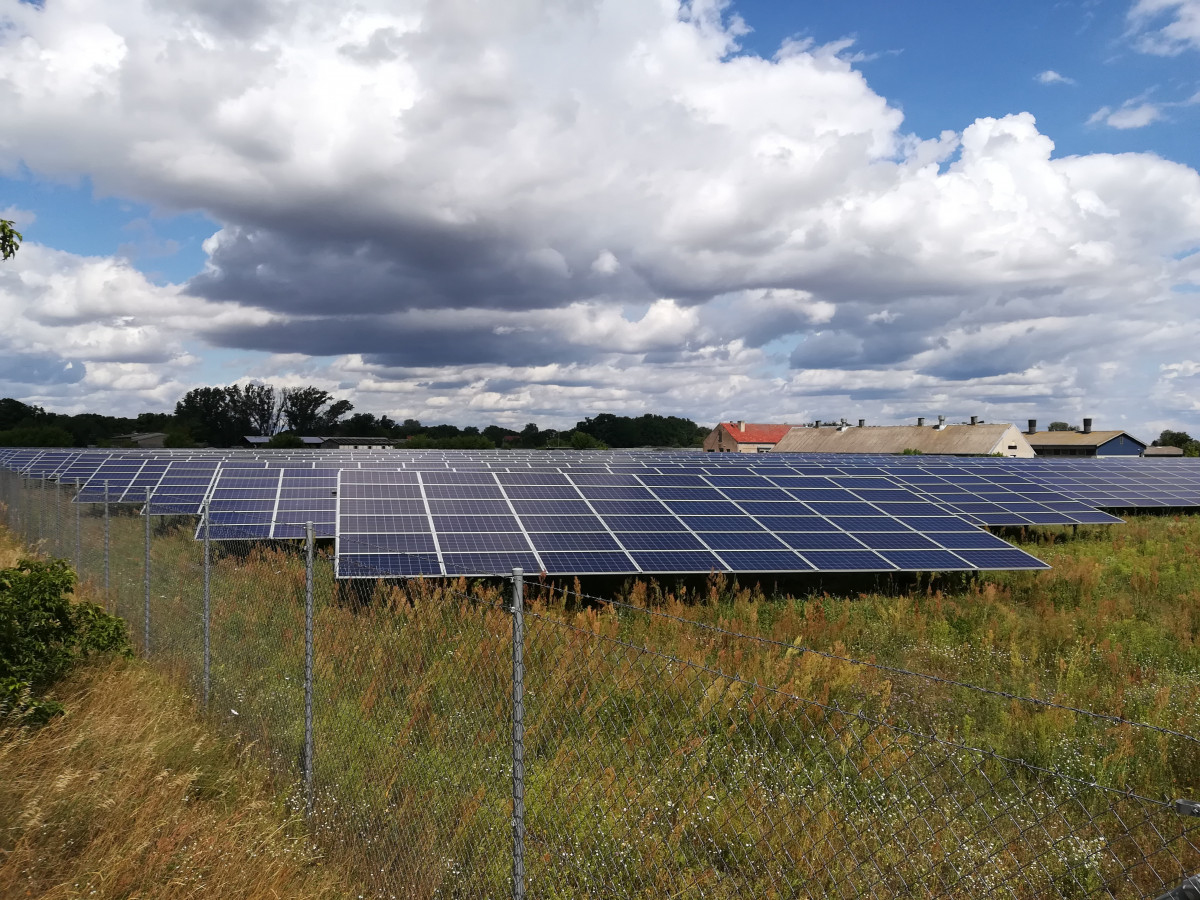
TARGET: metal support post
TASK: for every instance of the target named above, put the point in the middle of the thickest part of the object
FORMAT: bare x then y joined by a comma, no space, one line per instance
58,531
518,733
207,608
146,605
41,517
308,669
107,602
78,533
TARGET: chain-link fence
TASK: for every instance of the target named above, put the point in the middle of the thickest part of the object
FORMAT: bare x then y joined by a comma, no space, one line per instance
464,740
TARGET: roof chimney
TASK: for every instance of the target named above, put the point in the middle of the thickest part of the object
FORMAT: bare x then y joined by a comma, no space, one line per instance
1087,426
741,424
1032,426
920,421
941,423
862,423
974,420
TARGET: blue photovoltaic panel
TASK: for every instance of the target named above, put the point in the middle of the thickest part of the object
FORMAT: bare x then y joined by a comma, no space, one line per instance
669,540
820,540
682,561
765,561
847,561
576,563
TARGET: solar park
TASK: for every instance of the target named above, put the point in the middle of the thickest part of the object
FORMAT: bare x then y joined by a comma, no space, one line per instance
404,514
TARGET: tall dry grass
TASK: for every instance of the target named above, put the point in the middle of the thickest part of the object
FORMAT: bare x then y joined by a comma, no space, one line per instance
130,794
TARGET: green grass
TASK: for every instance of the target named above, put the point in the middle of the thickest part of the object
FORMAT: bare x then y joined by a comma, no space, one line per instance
669,759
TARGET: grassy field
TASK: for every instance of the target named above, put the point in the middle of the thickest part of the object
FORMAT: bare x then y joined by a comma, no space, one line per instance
677,758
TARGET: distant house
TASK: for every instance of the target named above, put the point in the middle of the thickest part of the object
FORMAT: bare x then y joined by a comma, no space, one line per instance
330,443
1163,452
744,437
1084,442
940,439
355,443
139,439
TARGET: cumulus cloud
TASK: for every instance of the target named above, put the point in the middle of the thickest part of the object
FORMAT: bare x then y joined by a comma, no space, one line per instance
72,323
1165,27
1051,77
556,208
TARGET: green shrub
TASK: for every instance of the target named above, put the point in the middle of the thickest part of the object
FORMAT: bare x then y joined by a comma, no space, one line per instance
43,634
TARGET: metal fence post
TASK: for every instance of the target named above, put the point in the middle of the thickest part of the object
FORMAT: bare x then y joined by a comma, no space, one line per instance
518,733
107,603
146,605
207,607
41,516
58,530
78,532
308,669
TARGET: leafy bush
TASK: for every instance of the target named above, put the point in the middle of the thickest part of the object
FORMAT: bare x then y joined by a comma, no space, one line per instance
43,634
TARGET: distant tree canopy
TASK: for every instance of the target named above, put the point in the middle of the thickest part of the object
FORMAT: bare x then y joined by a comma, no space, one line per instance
648,430
1061,426
224,416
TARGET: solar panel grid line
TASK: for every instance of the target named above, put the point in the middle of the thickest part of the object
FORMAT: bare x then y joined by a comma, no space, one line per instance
275,508
437,546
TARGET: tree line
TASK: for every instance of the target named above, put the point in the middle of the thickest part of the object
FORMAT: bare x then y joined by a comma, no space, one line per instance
225,416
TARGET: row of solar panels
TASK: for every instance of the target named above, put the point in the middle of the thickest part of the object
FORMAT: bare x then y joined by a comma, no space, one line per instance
182,485
420,513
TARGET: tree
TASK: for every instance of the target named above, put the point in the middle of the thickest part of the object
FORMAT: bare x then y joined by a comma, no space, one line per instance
14,413
10,239
306,413
1180,439
1171,438
36,436
262,408
1061,426
581,440
285,440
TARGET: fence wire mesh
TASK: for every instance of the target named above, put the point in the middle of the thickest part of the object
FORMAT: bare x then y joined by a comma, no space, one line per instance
655,756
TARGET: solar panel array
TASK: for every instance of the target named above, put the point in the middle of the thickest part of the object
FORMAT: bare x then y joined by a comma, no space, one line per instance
402,513
477,523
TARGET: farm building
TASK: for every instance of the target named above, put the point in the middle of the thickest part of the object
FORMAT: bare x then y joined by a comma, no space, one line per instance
744,437
1084,442
942,439
149,439
1164,452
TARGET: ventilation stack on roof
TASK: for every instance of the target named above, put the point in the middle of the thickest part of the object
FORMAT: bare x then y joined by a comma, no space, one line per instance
862,423
1087,426
1033,426
974,420
941,425
920,421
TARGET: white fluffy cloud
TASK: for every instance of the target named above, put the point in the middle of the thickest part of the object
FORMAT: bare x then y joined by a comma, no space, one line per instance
554,208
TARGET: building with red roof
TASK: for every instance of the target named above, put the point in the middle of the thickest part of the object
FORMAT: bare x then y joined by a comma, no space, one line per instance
744,437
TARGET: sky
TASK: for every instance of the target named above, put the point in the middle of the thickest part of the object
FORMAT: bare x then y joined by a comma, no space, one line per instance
543,210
